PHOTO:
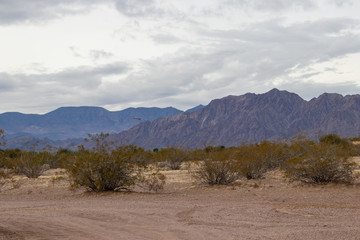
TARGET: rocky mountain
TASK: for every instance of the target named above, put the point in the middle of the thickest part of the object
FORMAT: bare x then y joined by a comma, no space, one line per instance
233,120
77,122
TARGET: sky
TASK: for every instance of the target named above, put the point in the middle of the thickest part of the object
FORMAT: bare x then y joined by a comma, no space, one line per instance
158,53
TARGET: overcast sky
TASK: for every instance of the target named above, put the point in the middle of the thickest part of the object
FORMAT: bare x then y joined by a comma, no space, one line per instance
131,53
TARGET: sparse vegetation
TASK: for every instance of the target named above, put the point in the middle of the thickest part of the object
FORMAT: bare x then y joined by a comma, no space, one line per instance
108,168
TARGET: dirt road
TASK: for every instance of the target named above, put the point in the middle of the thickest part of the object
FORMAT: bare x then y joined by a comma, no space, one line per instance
255,210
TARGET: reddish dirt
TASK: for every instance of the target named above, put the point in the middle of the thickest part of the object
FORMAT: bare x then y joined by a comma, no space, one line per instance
270,208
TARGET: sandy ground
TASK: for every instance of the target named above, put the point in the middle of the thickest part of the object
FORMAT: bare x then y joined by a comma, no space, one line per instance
270,208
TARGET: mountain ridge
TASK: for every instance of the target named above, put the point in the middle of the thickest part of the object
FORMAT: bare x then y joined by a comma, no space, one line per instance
75,122
233,120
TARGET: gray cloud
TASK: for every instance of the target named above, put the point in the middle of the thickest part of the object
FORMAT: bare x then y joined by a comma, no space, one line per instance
341,3
273,5
268,50
6,82
134,8
251,59
75,86
163,38
18,11
311,89
99,54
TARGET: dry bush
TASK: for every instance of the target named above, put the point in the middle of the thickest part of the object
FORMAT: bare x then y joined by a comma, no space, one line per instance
105,168
254,160
3,176
62,157
31,164
154,181
171,157
319,163
216,167
105,171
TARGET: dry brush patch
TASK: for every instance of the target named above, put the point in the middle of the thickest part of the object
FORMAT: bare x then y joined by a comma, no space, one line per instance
319,163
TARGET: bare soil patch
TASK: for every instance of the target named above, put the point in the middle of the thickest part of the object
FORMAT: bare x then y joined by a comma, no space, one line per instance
269,208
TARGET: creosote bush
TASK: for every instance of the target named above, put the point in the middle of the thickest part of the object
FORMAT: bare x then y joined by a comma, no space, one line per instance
171,157
31,164
216,167
113,169
105,171
312,162
253,160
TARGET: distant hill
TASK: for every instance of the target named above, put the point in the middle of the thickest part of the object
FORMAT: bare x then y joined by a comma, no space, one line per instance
77,122
233,120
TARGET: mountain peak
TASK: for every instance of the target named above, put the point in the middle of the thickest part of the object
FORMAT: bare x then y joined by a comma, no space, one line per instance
198,107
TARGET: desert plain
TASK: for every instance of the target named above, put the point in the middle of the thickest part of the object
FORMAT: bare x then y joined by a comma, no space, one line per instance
268,208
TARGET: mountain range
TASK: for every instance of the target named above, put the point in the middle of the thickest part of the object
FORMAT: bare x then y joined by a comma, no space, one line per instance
233,120
77,122
228,121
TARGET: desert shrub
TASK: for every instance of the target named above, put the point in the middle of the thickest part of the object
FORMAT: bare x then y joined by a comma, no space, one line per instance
31,164
62,157
254,160
3,176
106,171
319,163
2,158
330,139
216,167
213,148
153,181
2,137
250,163
171,157
106,168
